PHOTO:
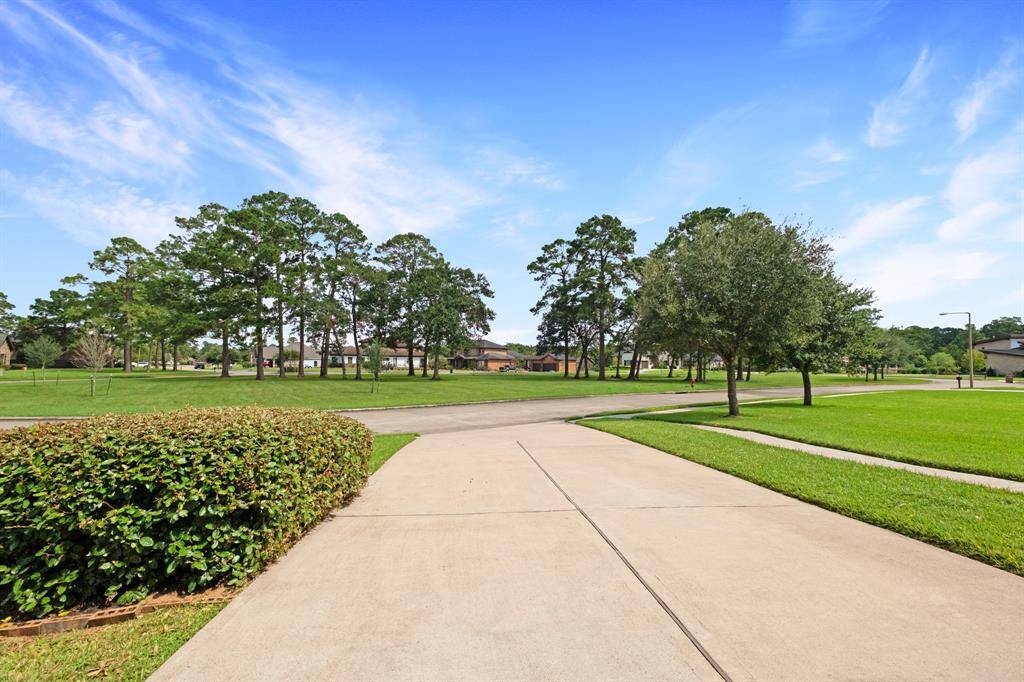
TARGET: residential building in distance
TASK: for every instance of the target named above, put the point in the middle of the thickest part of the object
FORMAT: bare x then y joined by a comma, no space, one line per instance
485,355
1003,354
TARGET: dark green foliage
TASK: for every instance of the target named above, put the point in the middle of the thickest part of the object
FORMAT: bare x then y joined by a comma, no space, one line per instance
112,508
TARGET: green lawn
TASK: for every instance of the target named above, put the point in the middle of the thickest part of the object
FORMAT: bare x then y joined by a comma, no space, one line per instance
167,390
974,431
979,522
385,445
123,651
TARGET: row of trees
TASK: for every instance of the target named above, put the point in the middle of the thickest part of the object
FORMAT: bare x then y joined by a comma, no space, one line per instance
735,286
274,263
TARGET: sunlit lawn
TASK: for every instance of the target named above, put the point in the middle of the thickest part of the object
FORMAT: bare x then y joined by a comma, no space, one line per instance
973,520
169,390
974,431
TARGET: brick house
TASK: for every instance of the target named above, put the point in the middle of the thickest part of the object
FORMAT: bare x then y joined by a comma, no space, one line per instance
548,362
484,355
1004,354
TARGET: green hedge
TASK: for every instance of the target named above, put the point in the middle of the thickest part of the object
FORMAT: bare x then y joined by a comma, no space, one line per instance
112,508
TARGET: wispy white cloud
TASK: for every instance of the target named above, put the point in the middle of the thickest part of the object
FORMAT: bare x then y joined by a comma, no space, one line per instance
826,151
985,91
894,115
879,221
92,211
818,164
985,194
920,271
824,22
144,124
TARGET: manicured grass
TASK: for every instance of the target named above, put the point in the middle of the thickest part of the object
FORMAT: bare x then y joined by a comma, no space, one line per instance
123,651
983,523
978,432
385,445
164,391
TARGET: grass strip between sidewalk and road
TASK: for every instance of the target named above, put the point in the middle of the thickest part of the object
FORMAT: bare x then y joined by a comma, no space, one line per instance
975,432
979,522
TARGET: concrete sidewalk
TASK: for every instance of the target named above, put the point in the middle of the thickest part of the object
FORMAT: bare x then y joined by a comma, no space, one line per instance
552,551
835,453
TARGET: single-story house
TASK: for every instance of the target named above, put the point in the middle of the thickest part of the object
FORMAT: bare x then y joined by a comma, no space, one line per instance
394,358
6,351
548,362
1004,354
484,355
270,353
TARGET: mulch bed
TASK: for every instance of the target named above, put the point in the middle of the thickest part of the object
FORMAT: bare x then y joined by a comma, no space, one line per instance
94,617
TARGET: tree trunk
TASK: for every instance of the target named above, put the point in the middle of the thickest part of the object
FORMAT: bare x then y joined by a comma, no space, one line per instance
437,365
127,355
163,356
689,366
565,348
425,346
876,372
280,339
618,364
748,371
700,366
867,371
302,345
325,351
671,366
174,356
225,354
412,368
600,346
259,353
883,372
730,373
355,342
805,372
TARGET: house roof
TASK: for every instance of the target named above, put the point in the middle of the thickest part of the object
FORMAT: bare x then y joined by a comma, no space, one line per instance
400,351
484,343
3,337
545,356
488,355
270,352
1015,352
999,338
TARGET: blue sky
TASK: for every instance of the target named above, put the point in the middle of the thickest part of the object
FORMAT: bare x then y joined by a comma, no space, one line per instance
896,128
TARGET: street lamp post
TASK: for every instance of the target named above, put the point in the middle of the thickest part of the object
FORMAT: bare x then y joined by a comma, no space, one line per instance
970,341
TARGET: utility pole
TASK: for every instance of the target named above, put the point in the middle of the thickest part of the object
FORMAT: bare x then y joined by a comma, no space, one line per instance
970,342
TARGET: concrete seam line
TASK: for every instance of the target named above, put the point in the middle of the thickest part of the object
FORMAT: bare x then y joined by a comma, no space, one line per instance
661,602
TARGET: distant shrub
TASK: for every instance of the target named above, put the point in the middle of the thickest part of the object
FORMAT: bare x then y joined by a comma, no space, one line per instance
111,508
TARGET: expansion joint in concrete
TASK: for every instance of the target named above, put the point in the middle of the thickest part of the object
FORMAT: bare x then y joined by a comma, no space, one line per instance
622,557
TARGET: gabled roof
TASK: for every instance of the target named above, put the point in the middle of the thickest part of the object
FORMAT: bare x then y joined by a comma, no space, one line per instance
484,343
3,337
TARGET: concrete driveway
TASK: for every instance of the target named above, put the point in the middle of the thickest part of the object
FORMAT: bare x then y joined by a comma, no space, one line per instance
552,551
